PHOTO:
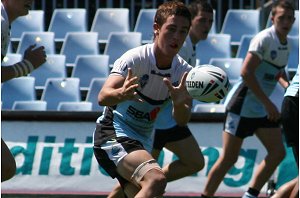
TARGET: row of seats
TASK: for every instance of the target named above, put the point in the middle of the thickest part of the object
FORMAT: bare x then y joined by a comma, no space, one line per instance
237,23
63,94
59,94
85,43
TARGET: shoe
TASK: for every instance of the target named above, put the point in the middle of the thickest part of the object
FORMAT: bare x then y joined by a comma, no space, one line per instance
248,195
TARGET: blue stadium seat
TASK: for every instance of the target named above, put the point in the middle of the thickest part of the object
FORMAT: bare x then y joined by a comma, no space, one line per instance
45,39
294,54
10,59
35,105
240,22
120,42
90,66
244,46
295,29
74,106
144,24
79,43
93,91
54,67
107,20
209,108
232,67
215,46
17,89
67,20
61,90
33,22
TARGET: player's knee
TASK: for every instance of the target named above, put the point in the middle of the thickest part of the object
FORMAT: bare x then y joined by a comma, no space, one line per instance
228,161
197,164
159,183
279,155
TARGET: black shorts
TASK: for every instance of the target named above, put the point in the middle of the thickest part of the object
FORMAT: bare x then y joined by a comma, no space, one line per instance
290,120
243,127
108,153
163,136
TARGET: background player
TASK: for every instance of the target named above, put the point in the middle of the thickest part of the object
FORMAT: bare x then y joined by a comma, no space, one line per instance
248,107
33,58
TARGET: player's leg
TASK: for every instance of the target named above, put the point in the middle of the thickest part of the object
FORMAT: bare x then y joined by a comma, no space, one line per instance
140,168
286,189
185,165
230,153
271,138
117,192
8,163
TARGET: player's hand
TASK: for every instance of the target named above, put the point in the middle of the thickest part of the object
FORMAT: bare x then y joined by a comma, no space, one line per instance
130,85
35,56
179,94
273,113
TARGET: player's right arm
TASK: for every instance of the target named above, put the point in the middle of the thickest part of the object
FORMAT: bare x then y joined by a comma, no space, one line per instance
117,89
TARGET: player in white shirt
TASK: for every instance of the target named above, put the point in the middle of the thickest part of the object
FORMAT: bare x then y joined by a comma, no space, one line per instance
249,109
33,58
141,82
168,134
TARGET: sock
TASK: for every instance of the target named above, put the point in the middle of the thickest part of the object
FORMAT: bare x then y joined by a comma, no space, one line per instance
253,191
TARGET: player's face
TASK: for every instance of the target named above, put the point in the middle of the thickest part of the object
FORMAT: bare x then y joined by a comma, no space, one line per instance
201,25
283,21
170,37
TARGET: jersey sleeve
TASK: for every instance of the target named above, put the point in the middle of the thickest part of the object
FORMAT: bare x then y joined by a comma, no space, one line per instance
258,46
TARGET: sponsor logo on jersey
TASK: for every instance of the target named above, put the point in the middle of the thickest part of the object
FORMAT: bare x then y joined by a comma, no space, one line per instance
168,75
149,116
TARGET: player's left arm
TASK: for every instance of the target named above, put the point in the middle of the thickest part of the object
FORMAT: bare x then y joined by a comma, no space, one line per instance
182,101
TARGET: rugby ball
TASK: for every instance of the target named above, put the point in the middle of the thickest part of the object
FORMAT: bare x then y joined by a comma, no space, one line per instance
207,83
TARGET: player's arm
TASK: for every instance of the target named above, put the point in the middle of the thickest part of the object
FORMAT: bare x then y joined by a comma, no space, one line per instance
33,58
117,89
182,101
283,80
249,67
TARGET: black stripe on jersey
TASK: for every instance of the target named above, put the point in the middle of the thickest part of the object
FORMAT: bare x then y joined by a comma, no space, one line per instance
105,130
149,100
236,102
276,66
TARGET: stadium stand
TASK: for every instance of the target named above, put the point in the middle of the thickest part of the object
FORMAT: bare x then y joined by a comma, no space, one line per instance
10,59
74,106
67,20
107,20
45,39
17,89
209,108
144,24
240,22
119,42
294,54
54,67
232,67
90,66
215,46
35,105
79,43
244,46
92,94
61,90
33,22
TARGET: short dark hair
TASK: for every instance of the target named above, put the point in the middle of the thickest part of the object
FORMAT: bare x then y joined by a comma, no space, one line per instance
283,4
170,8
199,6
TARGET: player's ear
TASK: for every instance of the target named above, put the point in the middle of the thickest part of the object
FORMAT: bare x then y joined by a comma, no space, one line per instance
156,29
